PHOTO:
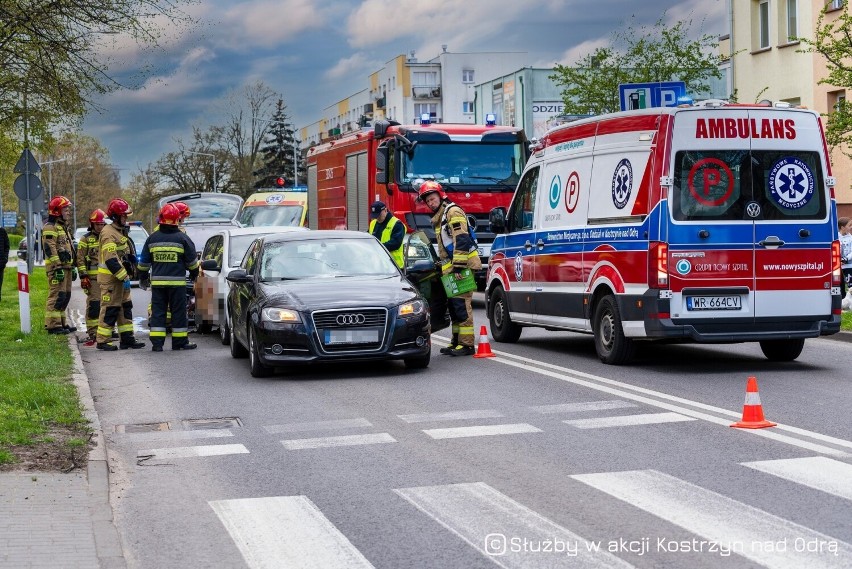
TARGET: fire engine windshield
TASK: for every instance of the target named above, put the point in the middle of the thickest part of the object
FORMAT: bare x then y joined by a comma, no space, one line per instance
748,185
493,167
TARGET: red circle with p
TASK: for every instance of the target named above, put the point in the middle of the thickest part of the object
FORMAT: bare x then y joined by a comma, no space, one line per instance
572,192
715,181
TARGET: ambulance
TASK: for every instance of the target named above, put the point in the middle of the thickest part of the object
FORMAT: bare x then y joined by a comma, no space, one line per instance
710,223
275,207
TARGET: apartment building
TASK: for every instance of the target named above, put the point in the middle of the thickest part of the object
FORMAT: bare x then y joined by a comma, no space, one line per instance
769,64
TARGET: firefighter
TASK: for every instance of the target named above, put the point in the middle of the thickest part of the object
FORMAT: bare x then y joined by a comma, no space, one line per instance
59,264
166,256
114,281
457,251
388,229
87,266
184,211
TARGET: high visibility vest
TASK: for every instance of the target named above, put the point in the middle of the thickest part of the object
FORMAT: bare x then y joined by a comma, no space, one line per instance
386,235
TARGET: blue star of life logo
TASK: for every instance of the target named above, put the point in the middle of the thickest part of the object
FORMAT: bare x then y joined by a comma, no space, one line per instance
519,267
791,183
622,183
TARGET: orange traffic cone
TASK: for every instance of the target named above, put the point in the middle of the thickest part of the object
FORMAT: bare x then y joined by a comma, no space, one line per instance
752,409
483,350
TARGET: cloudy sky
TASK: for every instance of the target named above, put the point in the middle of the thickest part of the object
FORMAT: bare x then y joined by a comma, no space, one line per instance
317,52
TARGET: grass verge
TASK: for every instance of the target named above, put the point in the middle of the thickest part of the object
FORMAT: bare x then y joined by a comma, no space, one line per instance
42,426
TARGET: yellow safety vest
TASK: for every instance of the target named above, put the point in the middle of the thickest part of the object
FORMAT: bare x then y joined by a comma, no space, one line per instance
386,235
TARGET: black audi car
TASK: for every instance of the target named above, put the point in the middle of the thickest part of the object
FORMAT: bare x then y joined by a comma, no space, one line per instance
328,296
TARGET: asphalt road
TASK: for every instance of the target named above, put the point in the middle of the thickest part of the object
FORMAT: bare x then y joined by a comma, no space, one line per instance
539,457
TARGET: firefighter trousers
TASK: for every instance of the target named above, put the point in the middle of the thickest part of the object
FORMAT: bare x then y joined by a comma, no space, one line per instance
93,310
169,299
58,296
461,315
116,308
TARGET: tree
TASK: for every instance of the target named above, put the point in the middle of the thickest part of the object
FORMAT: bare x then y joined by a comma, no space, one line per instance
279,150
190,168
833,40
660,53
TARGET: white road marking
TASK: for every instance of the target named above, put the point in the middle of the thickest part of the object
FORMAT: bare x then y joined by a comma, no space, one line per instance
826,474
583,406
343,440
318,426
481,431
189,452
179,435
286,531
628,420
451,415
497,526
743,529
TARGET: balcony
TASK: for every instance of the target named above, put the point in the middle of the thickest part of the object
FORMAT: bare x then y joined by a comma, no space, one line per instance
426,92
380,103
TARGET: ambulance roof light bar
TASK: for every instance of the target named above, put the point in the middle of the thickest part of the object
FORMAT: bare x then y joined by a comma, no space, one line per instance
490,119
711,103
425,118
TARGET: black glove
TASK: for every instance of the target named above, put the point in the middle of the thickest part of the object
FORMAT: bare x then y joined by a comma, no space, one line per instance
145,280
73,274
64,257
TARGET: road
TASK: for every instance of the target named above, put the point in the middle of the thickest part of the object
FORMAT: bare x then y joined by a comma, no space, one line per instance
539,457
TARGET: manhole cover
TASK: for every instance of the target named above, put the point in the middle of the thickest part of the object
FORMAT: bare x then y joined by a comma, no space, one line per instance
142,428
220,423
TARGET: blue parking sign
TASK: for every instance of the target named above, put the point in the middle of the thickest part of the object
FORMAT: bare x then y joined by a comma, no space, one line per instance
646,95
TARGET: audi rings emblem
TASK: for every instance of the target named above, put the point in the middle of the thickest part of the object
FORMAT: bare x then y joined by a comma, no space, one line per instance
350,319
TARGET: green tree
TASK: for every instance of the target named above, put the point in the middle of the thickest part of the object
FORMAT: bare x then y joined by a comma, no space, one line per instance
644,55
833,40
279,150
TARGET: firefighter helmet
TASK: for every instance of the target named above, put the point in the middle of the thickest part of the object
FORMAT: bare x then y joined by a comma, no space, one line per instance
98,216
429,187
169,214
118,207
56,205
183,209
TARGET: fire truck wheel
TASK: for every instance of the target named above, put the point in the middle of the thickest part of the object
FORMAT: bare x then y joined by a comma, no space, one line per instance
612,345
782,350
502,327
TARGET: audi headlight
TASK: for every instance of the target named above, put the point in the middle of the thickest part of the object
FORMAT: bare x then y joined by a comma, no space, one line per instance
280,315
412,308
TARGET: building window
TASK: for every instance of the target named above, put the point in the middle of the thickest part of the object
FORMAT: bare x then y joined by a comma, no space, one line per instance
467,75
836,4
423,108
467,107
763,24
424,78
792,18
836,99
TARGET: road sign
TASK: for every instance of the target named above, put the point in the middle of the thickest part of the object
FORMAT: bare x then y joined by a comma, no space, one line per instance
35,188
10,219
27,163
647,95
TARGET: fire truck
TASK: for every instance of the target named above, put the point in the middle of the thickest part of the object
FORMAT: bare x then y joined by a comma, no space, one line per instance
477,165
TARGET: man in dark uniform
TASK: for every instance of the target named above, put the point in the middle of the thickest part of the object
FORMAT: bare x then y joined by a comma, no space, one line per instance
167,255
4,253
389,230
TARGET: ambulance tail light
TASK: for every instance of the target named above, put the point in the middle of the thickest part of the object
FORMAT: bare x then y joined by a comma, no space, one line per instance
658,261
836,273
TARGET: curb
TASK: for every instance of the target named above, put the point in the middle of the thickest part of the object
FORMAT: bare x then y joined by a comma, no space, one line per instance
107,541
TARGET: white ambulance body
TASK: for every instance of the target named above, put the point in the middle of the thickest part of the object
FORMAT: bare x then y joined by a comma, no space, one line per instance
712,223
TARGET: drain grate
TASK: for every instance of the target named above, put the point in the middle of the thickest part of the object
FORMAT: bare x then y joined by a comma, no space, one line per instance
142,428
218,423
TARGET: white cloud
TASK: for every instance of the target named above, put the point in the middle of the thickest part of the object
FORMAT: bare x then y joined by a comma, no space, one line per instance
357,63
184,80
267,23
578,52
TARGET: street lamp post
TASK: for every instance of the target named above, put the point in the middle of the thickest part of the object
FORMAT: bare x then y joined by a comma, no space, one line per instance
50,175
74,193
213,156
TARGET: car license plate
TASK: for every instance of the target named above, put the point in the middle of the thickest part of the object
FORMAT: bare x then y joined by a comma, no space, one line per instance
351,336
484,250
714,303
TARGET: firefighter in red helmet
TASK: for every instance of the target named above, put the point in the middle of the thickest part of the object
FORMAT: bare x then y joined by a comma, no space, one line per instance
166,257
457,251
58,248
88,254
114,280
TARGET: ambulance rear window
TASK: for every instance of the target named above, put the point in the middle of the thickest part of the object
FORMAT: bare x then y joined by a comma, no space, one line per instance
748,185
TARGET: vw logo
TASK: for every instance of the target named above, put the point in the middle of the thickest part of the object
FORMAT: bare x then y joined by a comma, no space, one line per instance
753,209
350,319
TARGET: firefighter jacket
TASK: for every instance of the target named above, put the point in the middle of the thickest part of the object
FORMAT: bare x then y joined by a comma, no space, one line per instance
57,244
456,249
168,253
114,252
88,255
391,233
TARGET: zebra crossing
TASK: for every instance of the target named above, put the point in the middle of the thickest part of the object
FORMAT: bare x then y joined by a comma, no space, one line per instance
291,531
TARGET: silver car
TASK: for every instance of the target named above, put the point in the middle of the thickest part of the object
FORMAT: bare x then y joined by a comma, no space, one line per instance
222,253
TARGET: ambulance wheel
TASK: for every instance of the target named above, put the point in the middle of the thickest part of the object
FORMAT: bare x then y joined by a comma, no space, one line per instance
502,327
782,350
612,346
256,367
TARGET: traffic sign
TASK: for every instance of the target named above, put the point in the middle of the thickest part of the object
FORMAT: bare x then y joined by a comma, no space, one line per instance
27,163
10,219
647,95
35,188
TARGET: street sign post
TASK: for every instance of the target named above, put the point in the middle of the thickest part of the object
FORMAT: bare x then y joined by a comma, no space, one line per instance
647,95
28,188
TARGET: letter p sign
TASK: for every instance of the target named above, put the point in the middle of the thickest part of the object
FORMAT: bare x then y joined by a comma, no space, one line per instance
668,97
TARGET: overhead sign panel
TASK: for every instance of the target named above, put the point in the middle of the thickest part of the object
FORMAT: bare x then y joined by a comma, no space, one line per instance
647,95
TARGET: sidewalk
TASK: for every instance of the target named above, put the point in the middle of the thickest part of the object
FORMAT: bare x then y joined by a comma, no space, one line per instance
61,521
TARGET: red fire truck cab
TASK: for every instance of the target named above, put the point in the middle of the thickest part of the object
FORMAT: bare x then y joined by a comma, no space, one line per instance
477,165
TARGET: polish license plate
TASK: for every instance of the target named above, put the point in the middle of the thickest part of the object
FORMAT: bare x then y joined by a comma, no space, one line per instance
714,302
351,336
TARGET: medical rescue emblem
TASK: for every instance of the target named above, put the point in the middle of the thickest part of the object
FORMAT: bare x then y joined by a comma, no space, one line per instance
519,267
622,183
274,199
791,183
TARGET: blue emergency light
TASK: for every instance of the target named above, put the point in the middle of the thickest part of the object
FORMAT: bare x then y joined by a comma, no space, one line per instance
425,118
490,119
